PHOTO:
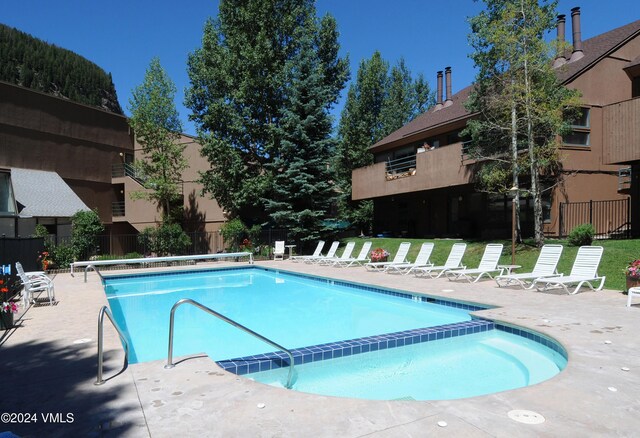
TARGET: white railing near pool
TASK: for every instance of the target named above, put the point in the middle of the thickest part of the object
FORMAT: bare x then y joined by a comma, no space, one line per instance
92,264
229,321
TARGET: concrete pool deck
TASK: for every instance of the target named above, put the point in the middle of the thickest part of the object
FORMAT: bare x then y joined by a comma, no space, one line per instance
48,370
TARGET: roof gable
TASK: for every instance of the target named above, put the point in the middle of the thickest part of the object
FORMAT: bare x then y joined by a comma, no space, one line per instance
594,50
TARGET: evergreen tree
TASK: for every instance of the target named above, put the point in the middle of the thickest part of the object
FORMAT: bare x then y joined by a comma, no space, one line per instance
378,103
361,125
302,192
155,121
240,91
399,102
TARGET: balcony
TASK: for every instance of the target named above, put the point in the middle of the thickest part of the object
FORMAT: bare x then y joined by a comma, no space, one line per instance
118,209
432,169
624,179
401,167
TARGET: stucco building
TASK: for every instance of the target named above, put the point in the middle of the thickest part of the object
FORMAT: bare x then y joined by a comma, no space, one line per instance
422,180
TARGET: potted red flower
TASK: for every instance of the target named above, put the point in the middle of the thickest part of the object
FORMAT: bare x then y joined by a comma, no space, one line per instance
379,255
633,274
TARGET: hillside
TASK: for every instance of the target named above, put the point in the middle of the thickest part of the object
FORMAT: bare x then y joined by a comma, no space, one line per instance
33,63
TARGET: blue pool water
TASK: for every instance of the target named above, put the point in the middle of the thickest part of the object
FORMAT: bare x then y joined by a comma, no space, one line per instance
347,340
290,310
463,366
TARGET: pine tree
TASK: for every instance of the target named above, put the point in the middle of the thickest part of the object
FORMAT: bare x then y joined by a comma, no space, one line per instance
302,192
240,92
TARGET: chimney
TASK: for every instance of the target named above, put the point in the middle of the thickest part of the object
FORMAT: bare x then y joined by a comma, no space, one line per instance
447,78
577,35
560,59
439,92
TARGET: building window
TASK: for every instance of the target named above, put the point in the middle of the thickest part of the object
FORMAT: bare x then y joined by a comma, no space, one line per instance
580,130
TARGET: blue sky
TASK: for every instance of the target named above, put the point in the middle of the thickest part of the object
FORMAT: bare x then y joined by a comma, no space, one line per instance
122,36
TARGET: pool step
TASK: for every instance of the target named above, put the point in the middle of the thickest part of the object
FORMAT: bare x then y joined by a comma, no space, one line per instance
334,350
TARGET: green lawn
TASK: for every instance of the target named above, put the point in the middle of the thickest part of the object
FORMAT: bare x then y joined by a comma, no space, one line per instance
616,257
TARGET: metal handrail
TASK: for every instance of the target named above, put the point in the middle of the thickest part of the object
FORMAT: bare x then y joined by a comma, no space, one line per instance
227,320
105,311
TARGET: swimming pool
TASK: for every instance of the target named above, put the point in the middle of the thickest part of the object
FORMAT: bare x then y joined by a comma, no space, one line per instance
334,329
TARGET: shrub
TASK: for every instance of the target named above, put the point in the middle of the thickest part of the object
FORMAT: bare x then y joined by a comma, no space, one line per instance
581,235
86,226
62,255
167,239
233,232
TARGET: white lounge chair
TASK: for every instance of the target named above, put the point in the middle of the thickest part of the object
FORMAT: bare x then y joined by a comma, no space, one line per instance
545,267
583,272
488,264
346,254
316,253
454,261
400,257
330,254
35,283
422,260
363,257
278,250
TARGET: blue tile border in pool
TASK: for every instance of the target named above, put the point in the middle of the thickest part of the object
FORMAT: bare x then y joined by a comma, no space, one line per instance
334,350
536,337
162,274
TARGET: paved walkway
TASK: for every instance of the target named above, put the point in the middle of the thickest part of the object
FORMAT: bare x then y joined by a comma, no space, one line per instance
48,369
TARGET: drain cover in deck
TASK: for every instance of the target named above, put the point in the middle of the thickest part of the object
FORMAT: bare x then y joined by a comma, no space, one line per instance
526,417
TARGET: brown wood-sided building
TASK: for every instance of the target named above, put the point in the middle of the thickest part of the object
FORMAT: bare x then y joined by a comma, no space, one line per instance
422,182
90,149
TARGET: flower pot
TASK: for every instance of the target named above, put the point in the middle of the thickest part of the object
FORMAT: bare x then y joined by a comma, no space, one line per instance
632,282
6,320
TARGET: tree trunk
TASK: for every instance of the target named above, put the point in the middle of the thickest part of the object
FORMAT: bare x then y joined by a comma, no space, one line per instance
514,168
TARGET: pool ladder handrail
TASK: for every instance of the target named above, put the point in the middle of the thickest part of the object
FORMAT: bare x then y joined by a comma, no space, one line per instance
105,311
229,321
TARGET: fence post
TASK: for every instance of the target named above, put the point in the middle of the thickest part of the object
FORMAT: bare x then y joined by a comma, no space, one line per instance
561,222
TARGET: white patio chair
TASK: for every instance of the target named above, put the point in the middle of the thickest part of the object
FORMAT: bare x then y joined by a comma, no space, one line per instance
454,261
422,260
316,253
488,264
278,250
35,284
363,257
545,267
583,272
400,257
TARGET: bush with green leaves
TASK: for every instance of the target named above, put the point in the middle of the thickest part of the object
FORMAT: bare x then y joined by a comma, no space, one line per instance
581,235
85,229
167,239
62,255
233,232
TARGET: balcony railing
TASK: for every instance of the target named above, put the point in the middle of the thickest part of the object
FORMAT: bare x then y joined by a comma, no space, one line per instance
401,167
117,209
624,178
126,169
